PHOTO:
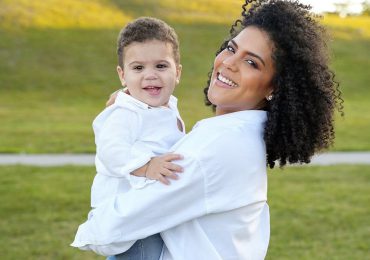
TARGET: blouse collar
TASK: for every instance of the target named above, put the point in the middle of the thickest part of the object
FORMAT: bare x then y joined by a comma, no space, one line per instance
123,98
259,117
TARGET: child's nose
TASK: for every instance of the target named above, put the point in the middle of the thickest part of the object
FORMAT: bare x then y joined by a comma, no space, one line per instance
150,75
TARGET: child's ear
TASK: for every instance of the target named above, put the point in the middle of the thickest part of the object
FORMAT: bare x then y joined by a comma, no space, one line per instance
121,75
178,73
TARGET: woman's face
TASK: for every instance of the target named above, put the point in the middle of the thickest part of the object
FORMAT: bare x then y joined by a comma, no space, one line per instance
242,73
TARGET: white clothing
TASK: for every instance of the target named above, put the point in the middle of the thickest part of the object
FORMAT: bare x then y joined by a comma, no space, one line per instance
127,134
216,210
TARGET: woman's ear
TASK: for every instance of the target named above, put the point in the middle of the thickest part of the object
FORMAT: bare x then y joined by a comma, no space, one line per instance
121,76
178,73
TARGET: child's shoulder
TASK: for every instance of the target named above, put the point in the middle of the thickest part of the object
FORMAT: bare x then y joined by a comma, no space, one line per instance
114,115
126,101
123,107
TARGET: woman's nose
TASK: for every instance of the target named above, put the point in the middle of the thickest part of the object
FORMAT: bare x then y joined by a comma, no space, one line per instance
230,63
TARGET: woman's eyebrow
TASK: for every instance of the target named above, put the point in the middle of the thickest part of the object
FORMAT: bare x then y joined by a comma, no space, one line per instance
249,53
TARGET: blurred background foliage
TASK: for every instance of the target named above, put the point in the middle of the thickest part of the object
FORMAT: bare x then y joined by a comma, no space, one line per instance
57,66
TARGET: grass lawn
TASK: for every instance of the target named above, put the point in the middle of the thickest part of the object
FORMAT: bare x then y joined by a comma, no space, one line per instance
57,67
316,212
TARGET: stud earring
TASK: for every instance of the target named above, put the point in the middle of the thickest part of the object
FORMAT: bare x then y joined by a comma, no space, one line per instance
177,81
269,98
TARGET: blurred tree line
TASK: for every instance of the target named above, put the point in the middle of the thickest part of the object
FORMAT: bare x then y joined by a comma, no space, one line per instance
366,8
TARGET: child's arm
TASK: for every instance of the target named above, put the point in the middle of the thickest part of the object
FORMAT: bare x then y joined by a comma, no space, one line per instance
160,168
116,144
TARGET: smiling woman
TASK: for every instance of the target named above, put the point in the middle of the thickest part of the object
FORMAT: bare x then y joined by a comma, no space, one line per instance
301,94
243,72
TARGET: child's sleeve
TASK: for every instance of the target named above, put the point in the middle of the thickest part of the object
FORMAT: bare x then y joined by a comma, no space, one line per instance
118,148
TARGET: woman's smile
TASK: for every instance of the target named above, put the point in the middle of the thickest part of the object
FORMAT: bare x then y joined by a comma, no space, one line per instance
224,82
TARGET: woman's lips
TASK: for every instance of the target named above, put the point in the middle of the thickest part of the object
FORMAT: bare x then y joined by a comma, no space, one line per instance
224,82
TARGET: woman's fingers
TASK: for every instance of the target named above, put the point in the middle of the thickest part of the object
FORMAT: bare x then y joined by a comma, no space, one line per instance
112,98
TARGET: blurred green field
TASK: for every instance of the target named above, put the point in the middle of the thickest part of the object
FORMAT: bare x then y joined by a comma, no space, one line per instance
57,67
316,212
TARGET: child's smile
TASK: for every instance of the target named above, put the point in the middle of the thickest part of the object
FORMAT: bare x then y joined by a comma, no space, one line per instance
150,71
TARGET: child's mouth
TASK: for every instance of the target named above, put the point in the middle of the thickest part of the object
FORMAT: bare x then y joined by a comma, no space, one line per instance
152,90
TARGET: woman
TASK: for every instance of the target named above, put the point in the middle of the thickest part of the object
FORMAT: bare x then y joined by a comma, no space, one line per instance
274,98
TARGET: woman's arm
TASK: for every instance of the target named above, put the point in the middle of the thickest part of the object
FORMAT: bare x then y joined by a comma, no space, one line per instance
223,170
142,212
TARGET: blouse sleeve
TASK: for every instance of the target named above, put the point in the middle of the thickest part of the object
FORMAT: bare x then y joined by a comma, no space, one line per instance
116,146
142,212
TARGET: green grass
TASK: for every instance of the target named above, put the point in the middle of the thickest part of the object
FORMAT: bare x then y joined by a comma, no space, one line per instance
57,71
316,212
320,213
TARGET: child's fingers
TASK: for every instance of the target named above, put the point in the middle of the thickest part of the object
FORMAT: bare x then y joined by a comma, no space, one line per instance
173,176
172,156
166,172
173,167
163,180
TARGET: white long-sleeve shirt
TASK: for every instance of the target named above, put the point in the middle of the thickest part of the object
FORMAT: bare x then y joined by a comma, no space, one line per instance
127,134
216,210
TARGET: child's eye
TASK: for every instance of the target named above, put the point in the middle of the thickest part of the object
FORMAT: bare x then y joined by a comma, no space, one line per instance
138,67
161,66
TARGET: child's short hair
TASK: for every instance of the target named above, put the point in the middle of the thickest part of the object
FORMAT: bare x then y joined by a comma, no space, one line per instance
144,29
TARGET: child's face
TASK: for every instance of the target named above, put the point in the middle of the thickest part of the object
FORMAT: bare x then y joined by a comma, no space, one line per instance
150,72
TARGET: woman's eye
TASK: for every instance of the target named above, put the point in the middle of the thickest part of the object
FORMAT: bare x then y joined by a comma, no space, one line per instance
252,63
230,48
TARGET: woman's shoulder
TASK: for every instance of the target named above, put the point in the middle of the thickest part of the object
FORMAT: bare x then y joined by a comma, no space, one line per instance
219,135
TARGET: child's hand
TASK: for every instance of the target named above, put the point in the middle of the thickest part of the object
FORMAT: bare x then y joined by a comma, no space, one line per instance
161,167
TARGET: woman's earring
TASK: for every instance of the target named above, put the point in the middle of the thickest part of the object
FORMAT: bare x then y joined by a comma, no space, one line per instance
177,81
269,98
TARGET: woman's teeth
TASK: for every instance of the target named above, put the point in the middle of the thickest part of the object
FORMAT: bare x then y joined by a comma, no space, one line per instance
226,81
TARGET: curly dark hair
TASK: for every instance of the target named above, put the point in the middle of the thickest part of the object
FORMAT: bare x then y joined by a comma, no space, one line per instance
300,121
144,29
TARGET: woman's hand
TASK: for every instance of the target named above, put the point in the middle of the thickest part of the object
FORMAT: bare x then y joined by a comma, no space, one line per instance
112,98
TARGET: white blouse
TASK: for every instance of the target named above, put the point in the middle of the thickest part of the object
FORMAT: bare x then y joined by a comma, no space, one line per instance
216,210
127,134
